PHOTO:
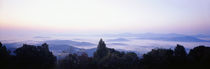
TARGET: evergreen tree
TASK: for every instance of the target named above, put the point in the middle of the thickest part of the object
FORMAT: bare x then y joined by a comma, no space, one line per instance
107,58
101,51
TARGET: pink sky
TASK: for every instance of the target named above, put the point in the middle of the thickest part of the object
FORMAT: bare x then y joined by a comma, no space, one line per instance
173,16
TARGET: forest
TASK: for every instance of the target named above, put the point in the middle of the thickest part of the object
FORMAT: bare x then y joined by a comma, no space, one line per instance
40,57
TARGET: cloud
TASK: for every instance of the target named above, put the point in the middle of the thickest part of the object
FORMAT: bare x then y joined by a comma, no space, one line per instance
119,39
40,37
120,44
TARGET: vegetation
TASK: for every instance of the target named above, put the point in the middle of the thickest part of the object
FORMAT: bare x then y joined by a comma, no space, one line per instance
39,57
28,57
4,56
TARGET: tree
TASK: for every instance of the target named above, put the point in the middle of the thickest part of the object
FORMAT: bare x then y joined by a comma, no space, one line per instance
157,59
107,58
4,53
4,57
73,61
101,51
34,57
130,61
179,51
180,57
200,57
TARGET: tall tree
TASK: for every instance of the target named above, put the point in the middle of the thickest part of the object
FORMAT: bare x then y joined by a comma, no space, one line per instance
101,51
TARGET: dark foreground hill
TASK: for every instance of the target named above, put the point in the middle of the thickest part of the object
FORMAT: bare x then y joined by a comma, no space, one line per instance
39,57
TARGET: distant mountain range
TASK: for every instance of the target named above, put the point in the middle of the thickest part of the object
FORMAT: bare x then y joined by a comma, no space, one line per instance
120,44
68,42
118,39
202,36
171,37
162,37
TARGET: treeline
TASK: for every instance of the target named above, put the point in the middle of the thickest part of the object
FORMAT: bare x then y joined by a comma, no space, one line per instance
39,57
27,57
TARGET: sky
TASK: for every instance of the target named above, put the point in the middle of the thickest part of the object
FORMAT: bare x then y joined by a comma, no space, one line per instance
136,16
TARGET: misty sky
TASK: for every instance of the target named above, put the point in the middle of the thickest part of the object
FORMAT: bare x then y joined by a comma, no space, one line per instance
162,16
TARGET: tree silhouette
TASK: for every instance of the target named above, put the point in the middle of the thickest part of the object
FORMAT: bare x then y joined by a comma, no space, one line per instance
101,51
180,57
74,61
107,58
157,59
4,57
34,57
179,51
200,57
